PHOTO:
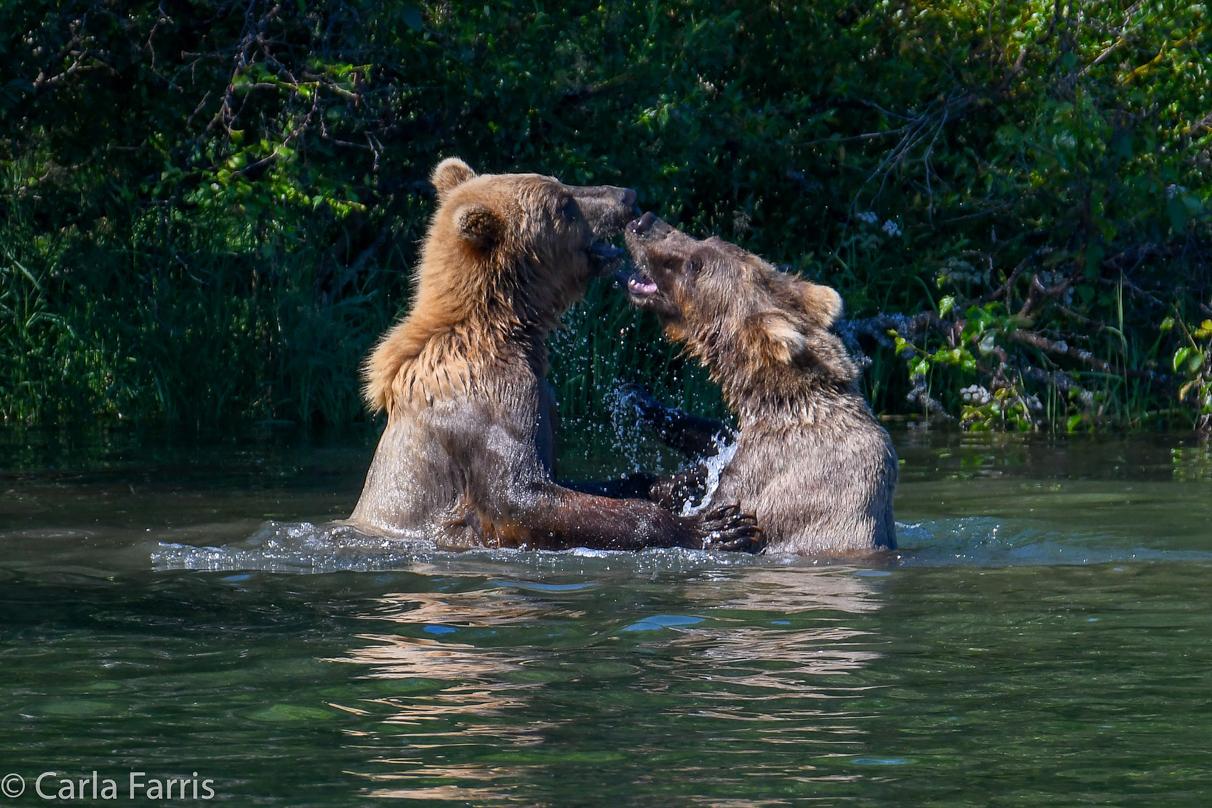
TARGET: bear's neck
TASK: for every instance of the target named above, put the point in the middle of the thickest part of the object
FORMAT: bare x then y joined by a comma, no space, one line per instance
776,402
483,343
426,358
809,391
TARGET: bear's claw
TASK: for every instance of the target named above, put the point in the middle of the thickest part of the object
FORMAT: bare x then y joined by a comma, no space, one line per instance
726,528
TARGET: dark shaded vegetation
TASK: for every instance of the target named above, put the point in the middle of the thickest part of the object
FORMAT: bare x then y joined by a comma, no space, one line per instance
209,209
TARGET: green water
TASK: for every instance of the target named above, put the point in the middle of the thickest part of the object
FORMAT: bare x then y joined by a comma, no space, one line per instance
1043,638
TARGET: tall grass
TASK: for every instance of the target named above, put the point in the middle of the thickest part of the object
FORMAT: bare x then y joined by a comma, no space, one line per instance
206,327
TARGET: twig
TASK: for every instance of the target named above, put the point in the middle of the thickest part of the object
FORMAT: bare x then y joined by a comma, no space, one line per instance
1037,292
1004,289
932,407
1085,357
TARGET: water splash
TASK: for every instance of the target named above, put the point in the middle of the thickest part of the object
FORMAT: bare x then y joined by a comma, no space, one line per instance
715,466
628,433
303,547
297,547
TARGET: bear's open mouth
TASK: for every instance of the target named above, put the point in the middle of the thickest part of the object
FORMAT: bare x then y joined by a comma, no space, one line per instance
638,285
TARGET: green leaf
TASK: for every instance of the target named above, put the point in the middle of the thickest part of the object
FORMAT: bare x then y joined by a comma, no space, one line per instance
1008,135
1073,422
1121,146
1180,356
1094,257
1166,325
411,16
946,305
1178,214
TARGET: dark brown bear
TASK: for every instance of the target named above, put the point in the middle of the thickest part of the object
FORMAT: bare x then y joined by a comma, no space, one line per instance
810,461
466,457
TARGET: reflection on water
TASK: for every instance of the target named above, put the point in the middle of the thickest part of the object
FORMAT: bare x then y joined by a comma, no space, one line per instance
473,695
786,653
1038,641
791,591
753,657
477,608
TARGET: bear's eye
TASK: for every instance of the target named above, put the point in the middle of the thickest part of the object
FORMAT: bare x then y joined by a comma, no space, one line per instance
570,210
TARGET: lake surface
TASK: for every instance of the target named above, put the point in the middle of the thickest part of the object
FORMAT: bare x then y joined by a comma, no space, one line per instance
1044,637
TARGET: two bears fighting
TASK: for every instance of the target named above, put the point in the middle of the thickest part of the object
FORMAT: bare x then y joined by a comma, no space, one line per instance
467,457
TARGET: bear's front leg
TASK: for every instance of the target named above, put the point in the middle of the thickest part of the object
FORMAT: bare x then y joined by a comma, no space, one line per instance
697,438
677,490
556,518
517,504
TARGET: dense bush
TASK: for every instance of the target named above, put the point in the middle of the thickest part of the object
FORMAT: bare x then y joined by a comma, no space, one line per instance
210,208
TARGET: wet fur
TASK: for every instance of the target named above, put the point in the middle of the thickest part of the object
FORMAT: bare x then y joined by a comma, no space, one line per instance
811,461
466,458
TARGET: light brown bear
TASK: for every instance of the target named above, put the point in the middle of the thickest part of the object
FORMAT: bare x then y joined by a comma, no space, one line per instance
811,462
467,454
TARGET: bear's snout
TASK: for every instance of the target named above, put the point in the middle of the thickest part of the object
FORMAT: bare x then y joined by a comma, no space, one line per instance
642,225
605,207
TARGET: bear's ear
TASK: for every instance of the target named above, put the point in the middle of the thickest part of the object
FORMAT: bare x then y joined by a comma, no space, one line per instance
822,304
450,174
477,225
777,336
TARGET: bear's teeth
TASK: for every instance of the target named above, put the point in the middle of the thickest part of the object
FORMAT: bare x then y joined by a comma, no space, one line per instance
605,251
641,286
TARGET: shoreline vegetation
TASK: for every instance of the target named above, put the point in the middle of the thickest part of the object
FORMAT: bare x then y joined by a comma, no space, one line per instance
209,211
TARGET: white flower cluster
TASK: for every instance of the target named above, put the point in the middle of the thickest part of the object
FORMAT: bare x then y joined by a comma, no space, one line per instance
976,395
1174,190
891,229
869,217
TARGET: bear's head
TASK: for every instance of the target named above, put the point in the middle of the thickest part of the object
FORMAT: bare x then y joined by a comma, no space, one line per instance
741,316
505,256
527,242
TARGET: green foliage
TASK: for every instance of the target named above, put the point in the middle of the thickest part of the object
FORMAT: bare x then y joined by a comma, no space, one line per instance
1191,361
208,209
